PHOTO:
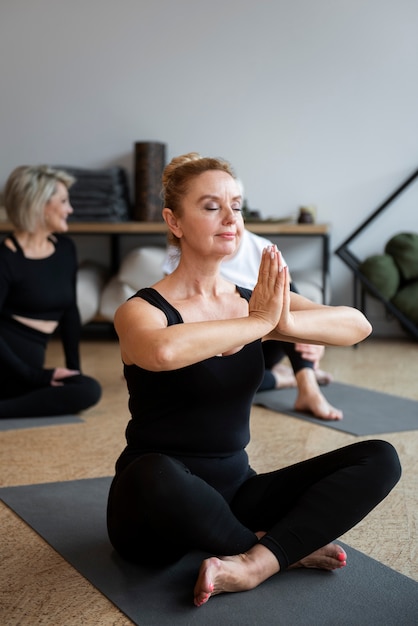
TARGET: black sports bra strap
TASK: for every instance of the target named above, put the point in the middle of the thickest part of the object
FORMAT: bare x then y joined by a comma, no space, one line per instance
244,292
12,237
17,245
173,316
156,299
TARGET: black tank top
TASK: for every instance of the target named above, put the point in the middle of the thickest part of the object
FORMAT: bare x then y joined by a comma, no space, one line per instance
199,410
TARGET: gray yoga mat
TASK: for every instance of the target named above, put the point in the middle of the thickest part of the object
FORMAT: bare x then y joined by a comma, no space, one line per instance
71,517
366,412
14,423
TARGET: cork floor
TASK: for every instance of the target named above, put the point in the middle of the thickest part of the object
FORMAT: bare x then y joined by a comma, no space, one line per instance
37,586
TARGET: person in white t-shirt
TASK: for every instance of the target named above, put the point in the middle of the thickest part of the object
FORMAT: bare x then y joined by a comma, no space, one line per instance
305,374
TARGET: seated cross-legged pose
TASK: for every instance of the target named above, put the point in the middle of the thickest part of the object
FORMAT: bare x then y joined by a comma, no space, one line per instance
192,355
241,268
38,269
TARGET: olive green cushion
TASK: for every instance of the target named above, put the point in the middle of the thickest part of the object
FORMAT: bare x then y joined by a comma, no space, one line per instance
406,300
404,250
382,272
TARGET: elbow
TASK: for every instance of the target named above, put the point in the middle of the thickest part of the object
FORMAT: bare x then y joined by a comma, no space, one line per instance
162,359
156,357
363,328
357,329
367,329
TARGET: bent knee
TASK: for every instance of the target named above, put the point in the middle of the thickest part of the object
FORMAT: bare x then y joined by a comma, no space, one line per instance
91,392
386,458
95,391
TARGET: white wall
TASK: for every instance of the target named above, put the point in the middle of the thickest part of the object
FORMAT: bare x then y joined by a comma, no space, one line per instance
313,101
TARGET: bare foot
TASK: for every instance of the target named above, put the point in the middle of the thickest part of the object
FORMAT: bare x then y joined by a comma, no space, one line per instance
318,405
240,572
310,398
284,376
330,557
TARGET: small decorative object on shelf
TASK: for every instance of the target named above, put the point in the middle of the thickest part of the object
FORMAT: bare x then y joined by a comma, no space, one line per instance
250,215
306,215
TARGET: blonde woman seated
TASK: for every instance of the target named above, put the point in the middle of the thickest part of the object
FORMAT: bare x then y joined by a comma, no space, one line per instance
38,268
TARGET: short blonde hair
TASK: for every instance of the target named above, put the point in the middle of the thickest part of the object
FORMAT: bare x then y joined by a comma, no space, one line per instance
177,175
27,191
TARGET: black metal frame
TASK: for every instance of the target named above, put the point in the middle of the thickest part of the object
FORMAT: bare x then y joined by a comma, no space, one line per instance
361,283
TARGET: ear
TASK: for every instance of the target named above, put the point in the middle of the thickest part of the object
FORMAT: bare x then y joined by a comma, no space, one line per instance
172,222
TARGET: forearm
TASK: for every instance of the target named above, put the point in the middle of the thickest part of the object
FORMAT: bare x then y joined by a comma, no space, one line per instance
181,345
70,329
329,325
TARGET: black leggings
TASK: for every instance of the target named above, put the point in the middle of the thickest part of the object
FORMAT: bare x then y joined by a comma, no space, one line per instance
20,399
158,510
77,393
274,352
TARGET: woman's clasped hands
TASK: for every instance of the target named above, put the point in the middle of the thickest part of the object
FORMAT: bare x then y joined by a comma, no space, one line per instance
270,300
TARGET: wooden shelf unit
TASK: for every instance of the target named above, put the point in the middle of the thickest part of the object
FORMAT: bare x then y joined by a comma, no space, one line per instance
268,228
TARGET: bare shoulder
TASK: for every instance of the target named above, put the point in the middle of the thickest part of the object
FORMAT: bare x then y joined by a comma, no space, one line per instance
137,312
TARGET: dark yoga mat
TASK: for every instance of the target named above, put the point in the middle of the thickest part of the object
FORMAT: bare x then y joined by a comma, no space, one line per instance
71,517
14,423
366,412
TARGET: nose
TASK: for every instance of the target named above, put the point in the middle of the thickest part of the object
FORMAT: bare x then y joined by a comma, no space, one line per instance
230,215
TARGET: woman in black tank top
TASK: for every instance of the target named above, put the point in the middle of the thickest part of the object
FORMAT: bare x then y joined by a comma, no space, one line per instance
191,348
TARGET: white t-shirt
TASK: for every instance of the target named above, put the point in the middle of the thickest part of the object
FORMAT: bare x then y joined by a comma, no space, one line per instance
241,269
